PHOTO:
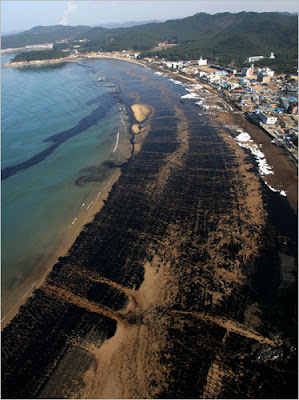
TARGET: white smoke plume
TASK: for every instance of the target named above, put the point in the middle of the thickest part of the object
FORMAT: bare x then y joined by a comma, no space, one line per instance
71,6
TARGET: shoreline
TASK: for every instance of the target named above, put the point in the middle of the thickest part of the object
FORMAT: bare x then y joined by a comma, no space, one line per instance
273,153
189,221
21,64
34,280
61,251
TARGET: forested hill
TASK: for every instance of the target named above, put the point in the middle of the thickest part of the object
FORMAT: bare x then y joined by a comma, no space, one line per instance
226,37
40,55
43,34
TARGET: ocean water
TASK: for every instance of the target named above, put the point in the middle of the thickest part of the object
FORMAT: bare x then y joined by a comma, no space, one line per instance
58,124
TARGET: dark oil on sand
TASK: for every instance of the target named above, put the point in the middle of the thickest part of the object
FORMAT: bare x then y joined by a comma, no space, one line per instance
183,286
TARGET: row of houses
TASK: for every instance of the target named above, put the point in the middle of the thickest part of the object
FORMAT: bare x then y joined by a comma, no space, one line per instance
263,75
191,68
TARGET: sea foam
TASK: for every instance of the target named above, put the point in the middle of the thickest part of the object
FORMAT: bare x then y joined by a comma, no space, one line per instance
244,140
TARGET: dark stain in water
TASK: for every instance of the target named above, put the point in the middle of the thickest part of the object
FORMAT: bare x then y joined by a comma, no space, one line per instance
106,101
97,174
41,68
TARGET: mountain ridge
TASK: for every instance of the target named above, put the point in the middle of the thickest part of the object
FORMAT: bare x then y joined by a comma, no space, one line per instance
223,36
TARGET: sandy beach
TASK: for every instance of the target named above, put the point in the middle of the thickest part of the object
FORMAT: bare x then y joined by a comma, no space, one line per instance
284,177
140,112
175,288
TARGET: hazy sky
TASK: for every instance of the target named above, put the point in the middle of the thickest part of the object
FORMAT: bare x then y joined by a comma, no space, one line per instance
21,15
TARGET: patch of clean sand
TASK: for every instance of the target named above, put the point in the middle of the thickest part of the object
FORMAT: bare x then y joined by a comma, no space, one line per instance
129,363
140,111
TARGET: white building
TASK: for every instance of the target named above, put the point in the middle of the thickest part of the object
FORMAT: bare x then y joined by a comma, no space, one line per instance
267,119
267,71
213,77
173,64
202,61
254,58
177,65
202,73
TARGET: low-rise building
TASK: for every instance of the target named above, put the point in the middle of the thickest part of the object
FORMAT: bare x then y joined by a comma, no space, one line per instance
263,78
174,64
213,77
248,71
189,71
254,58
223,68
266,70
202,73
222,72
202,61
267,119
243,82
